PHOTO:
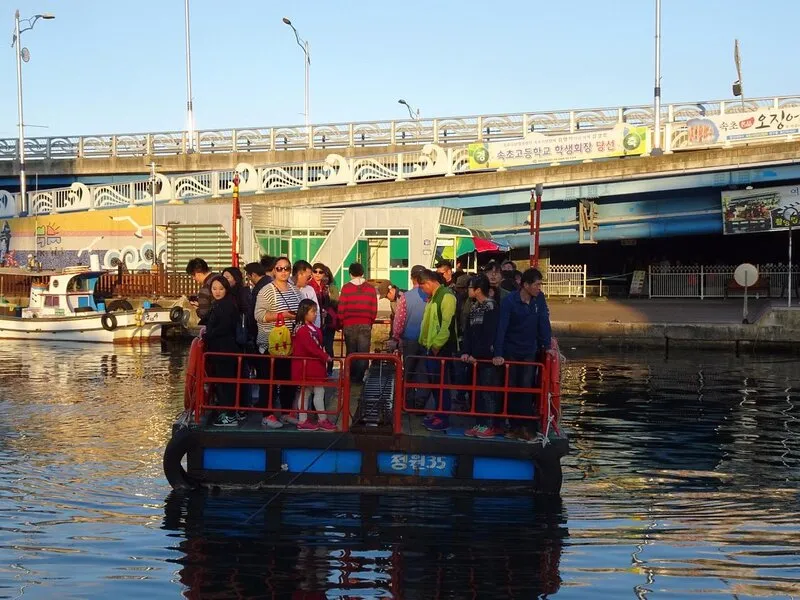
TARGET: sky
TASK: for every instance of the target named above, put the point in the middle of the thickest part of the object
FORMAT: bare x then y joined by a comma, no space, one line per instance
118,66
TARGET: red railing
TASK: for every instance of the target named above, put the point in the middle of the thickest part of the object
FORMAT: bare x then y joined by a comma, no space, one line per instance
545,395
474,389
204,404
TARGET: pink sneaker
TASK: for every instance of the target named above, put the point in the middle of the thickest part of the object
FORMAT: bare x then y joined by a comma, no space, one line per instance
326,425
306,426
488,432
271,422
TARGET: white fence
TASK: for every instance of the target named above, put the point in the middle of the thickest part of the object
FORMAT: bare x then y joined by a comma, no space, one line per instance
716,281
565,280
439,130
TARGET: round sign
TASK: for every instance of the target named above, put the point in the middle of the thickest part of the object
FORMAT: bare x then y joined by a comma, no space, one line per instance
745,275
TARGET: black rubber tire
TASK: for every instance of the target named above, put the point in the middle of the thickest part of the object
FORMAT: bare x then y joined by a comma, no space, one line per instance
109,322
176,314
118,305
177,447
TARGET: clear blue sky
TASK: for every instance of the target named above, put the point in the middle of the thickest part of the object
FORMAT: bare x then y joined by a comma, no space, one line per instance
118,65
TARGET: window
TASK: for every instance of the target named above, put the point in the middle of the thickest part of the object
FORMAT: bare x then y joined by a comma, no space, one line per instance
52,301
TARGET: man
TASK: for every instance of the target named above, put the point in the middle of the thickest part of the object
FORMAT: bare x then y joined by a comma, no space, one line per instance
406,327
268,262
438,337
494,274
445,269
524,327
302,275
358,307
198,269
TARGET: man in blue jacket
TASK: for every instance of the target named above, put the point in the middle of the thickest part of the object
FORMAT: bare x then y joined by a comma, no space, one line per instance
523,329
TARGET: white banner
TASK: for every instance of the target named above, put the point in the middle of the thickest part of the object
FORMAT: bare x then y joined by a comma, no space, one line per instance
743,127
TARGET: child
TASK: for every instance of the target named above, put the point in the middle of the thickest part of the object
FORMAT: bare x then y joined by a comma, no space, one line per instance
308,343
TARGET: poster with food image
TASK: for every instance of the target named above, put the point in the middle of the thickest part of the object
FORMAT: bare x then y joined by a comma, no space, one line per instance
766,209
771,123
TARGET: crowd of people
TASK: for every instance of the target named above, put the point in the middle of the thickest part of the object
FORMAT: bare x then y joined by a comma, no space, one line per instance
479,321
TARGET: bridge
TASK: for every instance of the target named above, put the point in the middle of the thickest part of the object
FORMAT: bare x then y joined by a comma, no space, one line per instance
104,155
595,190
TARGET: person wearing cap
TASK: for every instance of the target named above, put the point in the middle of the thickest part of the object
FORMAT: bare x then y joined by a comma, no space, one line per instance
406,327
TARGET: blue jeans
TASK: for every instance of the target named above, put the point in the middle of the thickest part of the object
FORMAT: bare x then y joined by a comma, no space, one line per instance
521,376
488,375
434,368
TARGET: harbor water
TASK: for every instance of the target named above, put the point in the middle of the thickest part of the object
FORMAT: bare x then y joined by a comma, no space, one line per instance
683,481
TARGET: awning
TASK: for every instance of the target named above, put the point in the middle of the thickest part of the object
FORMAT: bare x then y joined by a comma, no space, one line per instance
468,245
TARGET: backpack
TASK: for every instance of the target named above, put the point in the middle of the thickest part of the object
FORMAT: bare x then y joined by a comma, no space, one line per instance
279,341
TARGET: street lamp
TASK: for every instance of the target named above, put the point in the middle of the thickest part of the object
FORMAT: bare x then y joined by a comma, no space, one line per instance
790,213
23,55
304,46
189,107
656,150
414,116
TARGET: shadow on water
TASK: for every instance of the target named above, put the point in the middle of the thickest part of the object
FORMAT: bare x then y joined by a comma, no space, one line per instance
367,546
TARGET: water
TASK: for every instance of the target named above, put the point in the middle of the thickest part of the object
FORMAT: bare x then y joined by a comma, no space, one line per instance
683,482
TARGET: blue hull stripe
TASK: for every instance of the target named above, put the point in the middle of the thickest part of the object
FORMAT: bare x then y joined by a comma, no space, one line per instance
502,468
235,459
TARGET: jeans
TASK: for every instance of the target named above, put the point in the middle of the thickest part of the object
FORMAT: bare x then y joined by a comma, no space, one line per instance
282,394
328,336
489,376
357,339
415,372
435,376
521,376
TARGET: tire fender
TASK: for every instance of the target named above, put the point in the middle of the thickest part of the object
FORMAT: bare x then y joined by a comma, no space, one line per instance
109,322
177,447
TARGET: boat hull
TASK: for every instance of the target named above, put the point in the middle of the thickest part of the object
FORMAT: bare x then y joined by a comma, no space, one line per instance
130,327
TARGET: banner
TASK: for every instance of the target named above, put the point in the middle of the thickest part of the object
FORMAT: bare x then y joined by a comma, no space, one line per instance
537,148
743,127
754,211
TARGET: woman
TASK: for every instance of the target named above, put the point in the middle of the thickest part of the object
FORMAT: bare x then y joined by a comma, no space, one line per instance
220,336
322,282
279,298
239,290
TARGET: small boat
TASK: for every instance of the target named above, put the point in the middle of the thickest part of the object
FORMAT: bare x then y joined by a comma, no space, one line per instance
380,442
62,307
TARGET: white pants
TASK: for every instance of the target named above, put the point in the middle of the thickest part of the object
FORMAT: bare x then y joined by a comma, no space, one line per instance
317,392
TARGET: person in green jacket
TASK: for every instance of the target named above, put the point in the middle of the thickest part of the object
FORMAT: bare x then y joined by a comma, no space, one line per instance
438,337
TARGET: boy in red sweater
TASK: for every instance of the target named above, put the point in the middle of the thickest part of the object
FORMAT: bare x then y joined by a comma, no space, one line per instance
358,307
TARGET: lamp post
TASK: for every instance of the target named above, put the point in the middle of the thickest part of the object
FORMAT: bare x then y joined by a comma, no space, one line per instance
304,46
789,213
153,193
536,215
189,107
657,87
411,113
23,55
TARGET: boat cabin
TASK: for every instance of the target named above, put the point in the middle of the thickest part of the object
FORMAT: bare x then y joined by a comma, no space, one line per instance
63,294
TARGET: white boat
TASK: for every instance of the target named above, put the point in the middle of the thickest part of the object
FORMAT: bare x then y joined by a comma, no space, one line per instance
63,307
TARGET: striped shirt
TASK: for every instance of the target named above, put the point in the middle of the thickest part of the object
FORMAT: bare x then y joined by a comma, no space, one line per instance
271,299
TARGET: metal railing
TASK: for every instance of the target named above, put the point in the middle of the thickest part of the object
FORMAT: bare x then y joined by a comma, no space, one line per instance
716,281
565,280
440,131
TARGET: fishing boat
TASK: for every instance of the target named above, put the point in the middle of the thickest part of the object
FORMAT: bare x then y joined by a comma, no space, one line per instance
62,306
380,443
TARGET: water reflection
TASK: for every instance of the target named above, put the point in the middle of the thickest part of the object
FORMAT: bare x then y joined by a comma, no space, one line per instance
368,546
683,480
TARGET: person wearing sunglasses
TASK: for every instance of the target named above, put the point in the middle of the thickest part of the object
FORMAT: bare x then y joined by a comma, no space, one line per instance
280,298
327,297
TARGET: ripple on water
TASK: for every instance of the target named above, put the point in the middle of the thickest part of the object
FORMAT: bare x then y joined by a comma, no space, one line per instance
682,480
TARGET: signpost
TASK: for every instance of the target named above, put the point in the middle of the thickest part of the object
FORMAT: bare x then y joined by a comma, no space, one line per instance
745,275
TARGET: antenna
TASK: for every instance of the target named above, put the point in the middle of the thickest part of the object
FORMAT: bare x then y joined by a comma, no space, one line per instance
738,86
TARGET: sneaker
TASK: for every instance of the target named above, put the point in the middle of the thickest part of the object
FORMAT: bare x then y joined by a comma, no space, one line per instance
291,418
437,424
241,415
306,426
512,434
427,420
326,425
475,431
523,435
271,422
225,420
488,433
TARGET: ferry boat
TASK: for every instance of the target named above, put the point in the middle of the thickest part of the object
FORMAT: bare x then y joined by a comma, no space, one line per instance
62,307
380,442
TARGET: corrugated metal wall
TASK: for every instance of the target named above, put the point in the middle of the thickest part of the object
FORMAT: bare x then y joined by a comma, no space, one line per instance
209,242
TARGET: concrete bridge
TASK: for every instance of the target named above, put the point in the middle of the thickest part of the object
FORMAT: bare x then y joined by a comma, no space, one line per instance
101,158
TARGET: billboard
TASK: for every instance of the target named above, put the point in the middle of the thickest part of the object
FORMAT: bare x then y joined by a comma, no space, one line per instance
536,148
762,124
765,209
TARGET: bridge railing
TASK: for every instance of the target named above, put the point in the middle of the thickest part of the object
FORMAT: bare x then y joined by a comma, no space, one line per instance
716,281
329,136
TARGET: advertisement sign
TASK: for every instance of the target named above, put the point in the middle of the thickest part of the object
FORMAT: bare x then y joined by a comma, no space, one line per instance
743,127
766,209
536,148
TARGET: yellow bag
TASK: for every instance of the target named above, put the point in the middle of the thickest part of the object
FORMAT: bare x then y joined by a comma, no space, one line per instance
280,339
